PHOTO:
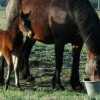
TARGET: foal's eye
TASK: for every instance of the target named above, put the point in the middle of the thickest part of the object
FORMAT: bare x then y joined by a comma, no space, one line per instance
28,19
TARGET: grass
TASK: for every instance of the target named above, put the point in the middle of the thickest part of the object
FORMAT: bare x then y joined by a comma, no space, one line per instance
42,65
2,18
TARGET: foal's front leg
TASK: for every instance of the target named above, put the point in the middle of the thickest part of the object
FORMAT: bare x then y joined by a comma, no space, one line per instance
59,48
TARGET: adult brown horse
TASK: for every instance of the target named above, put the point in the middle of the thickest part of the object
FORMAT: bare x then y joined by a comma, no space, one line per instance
60,22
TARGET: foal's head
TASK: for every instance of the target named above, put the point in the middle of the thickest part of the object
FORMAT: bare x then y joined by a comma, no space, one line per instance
25,24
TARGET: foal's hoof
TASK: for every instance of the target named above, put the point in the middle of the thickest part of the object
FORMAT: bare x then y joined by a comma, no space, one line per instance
7,83
6,86
58,86
17,85
77,86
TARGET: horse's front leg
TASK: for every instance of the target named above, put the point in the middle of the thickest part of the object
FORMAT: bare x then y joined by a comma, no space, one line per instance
59,48
74,81
24,61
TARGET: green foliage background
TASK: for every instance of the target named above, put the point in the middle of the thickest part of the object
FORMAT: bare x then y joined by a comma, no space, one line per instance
3,3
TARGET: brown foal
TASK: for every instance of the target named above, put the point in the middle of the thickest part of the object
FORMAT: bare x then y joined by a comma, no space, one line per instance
11,42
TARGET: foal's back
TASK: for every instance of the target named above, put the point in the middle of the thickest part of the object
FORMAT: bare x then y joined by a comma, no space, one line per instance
5,39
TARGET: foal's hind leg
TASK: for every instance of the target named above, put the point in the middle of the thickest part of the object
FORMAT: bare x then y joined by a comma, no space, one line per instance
74,81
16,69
8,58
59,48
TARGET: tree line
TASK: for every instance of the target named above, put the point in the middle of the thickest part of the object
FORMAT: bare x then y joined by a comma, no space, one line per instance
3,3
95,3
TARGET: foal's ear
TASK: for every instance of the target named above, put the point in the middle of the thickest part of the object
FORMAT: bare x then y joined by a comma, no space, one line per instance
22,14
28,14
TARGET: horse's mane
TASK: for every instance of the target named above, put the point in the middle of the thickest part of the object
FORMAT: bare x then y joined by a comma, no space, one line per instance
88,23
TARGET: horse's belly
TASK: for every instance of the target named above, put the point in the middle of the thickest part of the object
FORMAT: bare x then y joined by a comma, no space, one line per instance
44,36
65,31
46,28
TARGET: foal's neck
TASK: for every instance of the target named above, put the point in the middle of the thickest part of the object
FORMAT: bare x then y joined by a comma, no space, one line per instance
15,29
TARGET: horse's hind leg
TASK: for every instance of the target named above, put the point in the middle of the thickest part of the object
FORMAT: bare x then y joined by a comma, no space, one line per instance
24,61
59,48
74,81
2,70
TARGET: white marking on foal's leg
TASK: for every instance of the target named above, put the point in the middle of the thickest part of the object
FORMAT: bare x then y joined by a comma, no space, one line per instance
16,70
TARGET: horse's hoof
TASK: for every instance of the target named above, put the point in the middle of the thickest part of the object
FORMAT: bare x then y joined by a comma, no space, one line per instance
58,87
77,86
28,78
23,76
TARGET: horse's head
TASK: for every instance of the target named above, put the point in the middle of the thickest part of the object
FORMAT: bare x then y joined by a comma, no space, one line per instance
25,24
93,67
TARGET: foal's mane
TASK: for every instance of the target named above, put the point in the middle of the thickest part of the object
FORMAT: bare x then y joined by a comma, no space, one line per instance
88,23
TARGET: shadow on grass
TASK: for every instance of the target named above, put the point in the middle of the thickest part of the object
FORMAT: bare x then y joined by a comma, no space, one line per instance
43,72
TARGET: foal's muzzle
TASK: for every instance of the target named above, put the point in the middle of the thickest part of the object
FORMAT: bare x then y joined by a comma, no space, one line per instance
30,34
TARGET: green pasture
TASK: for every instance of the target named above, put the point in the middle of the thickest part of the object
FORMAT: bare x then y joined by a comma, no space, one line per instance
42,65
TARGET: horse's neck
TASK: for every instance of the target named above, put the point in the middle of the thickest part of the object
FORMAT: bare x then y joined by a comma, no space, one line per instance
15,1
